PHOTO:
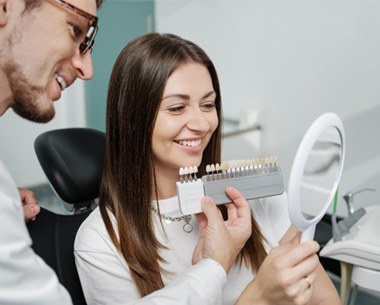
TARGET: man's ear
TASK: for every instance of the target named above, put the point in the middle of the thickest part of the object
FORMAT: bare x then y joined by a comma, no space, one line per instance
4,12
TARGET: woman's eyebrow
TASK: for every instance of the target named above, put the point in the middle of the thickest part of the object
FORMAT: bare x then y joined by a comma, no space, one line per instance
178,95
209,94
186,96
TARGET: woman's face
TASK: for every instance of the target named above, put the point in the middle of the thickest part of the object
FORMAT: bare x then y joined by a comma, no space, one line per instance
186,119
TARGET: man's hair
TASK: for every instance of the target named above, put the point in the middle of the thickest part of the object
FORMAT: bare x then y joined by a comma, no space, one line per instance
30,4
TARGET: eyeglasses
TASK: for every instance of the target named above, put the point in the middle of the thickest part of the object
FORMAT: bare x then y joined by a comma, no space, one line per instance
89,39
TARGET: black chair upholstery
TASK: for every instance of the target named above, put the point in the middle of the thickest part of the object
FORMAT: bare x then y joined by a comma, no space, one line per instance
72,160
323,233
53,238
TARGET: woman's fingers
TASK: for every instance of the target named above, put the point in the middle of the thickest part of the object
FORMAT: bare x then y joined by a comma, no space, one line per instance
241,204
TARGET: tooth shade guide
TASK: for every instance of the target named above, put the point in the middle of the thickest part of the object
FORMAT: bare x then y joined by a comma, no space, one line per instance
255,178
188,173
232,169
240,168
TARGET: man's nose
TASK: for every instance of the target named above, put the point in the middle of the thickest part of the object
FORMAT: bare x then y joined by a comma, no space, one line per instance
83,65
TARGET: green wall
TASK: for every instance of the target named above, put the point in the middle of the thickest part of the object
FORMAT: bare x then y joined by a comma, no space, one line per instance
120,21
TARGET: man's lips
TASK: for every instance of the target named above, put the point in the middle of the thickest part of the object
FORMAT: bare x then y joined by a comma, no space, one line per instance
61,81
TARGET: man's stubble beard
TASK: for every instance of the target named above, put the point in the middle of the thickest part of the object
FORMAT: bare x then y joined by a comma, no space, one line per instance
26,96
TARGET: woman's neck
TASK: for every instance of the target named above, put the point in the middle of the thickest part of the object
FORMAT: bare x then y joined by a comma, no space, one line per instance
166,185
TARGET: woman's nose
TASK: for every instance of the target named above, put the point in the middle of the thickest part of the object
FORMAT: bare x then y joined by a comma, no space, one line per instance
198,121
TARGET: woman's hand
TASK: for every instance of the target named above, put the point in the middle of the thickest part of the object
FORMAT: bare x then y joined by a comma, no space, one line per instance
286,276
222,240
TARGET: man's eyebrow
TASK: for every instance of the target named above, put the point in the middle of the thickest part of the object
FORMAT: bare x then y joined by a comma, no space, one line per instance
187,97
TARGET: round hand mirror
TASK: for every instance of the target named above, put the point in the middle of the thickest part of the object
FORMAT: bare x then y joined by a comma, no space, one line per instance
315,173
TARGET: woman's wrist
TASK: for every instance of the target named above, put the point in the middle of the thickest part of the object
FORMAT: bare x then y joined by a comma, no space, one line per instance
252,295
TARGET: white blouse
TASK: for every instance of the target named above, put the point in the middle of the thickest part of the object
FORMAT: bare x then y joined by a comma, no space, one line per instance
106,278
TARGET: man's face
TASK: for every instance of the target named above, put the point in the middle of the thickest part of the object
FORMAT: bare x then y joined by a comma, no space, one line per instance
43,56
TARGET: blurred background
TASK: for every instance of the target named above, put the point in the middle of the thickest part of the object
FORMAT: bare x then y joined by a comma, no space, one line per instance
281,64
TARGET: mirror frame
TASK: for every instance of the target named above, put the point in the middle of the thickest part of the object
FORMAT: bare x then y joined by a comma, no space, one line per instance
294,190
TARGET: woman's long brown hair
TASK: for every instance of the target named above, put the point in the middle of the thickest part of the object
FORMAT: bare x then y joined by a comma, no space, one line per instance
135,91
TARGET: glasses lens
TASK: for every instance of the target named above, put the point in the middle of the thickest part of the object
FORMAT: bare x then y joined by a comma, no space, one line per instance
89,40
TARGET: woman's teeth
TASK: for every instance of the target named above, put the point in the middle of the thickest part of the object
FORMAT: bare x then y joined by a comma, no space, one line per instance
190,143
61,81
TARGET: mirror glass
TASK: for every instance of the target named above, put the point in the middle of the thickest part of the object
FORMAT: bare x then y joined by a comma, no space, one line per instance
320,173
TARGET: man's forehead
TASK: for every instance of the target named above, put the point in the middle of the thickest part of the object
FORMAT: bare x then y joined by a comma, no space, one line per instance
88,6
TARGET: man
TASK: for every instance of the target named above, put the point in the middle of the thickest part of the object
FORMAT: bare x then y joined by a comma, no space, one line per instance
45,45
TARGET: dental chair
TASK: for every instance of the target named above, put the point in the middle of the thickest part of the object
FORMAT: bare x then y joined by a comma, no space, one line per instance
72,160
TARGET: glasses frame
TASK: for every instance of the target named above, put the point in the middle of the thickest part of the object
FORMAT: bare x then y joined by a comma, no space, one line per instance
89,39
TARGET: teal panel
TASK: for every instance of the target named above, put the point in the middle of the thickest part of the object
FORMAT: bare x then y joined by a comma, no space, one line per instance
120,21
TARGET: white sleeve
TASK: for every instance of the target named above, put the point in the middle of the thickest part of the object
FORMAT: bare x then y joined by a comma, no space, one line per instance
272,215
200,284
106,278
24,277
278,211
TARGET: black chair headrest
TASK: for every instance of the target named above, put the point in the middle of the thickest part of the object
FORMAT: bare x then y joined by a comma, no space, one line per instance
72,159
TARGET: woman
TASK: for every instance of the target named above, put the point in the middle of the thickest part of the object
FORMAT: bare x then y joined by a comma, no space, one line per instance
164,113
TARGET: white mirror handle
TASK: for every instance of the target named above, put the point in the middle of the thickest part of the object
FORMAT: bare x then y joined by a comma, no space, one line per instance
308,234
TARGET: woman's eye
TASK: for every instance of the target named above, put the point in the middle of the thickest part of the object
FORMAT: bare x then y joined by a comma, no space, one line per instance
176,108
208,105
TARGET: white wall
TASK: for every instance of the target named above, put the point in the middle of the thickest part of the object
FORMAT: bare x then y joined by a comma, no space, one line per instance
288,60
17,135
292,61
